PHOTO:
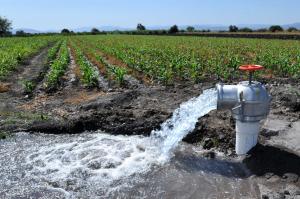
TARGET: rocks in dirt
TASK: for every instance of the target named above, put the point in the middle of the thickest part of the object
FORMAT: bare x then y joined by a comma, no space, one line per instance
214,130
208,143
265,197
291,177
292,101
286,94
210,155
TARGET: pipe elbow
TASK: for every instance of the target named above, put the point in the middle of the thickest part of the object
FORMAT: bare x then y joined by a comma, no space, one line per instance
227,96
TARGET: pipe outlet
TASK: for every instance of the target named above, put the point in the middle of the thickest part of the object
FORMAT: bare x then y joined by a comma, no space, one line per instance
249,103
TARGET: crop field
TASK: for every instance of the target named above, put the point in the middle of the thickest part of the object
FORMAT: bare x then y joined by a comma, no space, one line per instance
151,59
15,50
169,58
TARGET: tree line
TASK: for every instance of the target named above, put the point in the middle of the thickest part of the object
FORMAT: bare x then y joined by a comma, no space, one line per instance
6,27
141,30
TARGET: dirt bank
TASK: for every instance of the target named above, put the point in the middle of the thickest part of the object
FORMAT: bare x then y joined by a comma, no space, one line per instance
139,109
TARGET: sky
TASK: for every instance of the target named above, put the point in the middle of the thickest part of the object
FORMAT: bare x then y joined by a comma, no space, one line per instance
58,14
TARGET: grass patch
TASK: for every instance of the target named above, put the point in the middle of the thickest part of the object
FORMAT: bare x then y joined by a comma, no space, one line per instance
23,117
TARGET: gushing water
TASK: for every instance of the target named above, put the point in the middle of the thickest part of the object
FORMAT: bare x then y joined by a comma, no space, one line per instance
72,164
184,120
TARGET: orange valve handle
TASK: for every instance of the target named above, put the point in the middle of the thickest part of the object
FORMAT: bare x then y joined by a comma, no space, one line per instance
251,67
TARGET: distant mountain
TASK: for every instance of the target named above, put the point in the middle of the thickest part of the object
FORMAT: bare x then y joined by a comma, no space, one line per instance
212,27
296,25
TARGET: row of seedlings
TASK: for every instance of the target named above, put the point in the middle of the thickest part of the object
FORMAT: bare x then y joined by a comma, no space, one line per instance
57,68
29,85
111,71
90,74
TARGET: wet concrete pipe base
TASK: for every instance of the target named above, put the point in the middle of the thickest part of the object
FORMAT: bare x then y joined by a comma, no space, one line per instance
75,127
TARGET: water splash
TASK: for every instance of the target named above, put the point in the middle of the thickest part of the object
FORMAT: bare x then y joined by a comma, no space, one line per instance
184,120
104,160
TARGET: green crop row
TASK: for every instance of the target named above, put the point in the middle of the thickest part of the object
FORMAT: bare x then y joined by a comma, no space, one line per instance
15,50
112,71
118,73
89,73
52,52
58,67
168,59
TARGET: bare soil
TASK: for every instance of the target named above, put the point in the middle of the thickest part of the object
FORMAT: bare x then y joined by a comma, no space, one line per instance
141,109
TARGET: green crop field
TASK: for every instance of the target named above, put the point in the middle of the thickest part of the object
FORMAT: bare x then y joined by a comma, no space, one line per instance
166,58
161,59
15,50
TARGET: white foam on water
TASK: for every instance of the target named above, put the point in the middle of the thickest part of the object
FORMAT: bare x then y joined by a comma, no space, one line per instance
184,120
105,159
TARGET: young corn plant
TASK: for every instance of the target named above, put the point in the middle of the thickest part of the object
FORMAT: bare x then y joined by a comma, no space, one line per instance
52,52
118,73
57,68
28,86
89,73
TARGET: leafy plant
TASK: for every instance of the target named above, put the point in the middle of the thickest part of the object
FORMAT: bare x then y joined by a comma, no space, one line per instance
89,73
119,73
58,67
28,86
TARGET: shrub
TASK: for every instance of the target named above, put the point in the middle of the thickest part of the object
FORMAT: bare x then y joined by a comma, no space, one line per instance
140,27
292,29
233,28
276,28
190,29
246,30
174,29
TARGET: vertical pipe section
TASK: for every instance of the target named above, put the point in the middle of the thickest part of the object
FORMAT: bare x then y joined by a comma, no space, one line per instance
246,136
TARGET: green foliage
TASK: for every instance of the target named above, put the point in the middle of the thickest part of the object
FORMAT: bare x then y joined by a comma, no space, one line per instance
276,28
65,31
21,33
28,86
245,30
174,29
95,31
52,52
14,50
119,73
58,67
233,28
190,29
5,26
89,73
167,59
140,27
